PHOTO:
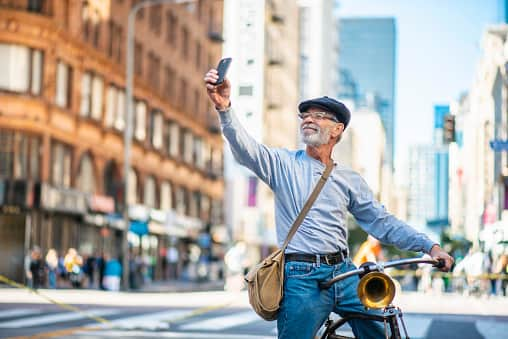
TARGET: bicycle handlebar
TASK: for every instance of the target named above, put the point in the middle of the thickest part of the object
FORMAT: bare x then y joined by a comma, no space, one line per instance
378,267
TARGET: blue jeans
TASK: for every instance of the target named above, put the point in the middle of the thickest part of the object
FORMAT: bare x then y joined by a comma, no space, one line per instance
305,306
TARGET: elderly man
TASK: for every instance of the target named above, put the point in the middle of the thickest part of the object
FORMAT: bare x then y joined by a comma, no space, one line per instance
319,249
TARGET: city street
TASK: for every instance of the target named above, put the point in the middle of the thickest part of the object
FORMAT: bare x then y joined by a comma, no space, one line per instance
218,315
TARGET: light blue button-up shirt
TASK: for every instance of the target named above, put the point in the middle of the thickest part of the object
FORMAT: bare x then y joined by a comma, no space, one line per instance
292,175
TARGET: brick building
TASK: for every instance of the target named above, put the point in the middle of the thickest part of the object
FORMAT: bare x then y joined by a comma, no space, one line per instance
62,120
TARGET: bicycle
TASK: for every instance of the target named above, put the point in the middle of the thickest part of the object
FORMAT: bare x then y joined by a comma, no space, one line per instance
376,290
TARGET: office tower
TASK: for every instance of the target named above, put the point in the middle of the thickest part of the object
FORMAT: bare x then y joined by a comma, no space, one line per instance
367,68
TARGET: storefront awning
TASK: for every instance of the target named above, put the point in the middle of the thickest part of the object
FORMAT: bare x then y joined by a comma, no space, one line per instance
139,227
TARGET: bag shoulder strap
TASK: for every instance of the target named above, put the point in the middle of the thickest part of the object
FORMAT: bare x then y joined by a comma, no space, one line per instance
308,204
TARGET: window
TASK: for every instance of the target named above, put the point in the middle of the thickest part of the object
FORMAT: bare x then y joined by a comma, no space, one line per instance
6,153
204,213
140,124
169,83
63,84
171,25
180,200
109,119
35,158
60,164
19,155
115,108
138,58
156,126
149,193
188,147
205,155
20,69
174,140
86,177
156,19
185,42
132,188
198,55
198,153
183,93
194,204
165,198
154,64
92,88
197,103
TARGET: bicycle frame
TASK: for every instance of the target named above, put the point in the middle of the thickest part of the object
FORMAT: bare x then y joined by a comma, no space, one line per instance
391,314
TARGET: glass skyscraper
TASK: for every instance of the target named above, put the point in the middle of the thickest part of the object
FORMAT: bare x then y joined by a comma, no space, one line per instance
367,49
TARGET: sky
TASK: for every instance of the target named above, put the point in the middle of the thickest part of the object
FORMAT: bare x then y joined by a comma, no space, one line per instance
438,49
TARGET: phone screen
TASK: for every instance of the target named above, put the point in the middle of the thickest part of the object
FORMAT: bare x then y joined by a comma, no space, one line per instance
222,69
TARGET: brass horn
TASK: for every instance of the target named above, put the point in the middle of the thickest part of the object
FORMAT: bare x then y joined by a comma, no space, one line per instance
376,290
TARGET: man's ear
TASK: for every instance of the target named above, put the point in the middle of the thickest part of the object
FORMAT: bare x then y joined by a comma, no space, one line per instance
338,130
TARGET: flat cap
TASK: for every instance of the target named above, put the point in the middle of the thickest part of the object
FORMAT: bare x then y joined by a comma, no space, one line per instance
330,105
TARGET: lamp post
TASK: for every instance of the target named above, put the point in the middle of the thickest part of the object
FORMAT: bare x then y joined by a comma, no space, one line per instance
128,123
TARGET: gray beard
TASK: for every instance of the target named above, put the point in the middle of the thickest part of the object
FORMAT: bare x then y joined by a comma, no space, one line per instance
318,138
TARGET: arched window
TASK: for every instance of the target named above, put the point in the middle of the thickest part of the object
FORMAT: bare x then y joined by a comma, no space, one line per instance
86,177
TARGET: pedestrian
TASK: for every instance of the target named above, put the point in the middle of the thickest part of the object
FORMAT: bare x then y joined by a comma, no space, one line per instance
112,274
318,251
36,268
73,263
369,251
52,267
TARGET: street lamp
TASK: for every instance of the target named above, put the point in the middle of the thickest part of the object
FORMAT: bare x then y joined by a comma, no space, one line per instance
128,122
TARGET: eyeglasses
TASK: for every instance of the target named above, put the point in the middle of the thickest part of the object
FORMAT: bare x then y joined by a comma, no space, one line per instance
317,116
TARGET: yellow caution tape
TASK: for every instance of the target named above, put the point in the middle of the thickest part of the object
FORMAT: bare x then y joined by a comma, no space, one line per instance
418,273
53,301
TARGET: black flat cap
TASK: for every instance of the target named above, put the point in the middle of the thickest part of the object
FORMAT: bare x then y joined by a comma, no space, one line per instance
330,105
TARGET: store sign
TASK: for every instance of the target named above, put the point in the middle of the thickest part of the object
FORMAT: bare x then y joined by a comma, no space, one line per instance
499,145
62,200
101,204
139,212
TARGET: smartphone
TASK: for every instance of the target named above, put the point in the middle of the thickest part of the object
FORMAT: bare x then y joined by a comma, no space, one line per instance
222,69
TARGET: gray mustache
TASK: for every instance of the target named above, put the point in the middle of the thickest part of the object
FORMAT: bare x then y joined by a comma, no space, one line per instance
311,125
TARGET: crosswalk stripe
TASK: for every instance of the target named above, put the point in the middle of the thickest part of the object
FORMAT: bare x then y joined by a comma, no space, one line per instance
55,318
148,320
417,325
177,335
220,323
18,312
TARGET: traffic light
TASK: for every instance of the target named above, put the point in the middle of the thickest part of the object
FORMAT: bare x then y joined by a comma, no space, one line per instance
449,129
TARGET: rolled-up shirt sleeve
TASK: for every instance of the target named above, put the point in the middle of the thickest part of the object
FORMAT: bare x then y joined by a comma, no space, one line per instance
375,220
260,159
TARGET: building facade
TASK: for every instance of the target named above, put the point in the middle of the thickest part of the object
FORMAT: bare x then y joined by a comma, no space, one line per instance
62,119
480,159
262,38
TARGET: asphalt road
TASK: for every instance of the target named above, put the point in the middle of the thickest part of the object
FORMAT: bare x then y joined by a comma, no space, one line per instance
217,315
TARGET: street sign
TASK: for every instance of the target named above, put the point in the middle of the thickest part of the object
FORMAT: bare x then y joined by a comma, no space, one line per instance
499,145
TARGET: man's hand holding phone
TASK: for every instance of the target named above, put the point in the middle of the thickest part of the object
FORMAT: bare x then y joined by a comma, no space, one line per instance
218,86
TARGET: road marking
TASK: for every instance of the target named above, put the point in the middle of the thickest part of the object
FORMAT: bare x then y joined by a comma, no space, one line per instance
158,320
142,334
220,323
56,318
417,325
492,329
18,312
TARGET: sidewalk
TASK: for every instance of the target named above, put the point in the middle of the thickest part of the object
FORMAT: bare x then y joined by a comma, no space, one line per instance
181,286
